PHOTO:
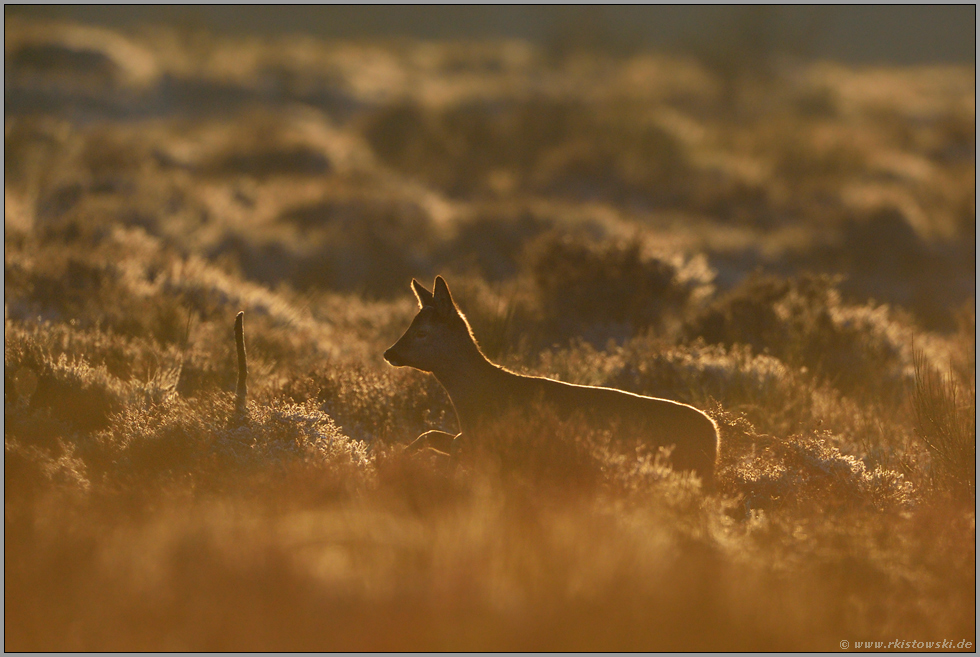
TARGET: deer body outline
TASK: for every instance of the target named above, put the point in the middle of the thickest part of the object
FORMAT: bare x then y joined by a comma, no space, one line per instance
440,341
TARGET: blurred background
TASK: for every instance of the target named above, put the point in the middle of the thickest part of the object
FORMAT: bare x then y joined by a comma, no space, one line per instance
349,148
854,34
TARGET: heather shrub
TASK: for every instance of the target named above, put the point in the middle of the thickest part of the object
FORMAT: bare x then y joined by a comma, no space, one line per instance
260,159
71,391
31,471
92,288
342,244
803,322
806,470
541,451
491,245
371,405
200,444
945,421
566,147
608,290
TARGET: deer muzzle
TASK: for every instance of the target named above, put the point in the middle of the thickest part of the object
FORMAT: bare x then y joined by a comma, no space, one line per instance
392,357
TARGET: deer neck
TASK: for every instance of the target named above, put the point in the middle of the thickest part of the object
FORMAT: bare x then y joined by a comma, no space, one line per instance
471,383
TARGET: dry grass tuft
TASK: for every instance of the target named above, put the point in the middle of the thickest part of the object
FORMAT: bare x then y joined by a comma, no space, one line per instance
945,420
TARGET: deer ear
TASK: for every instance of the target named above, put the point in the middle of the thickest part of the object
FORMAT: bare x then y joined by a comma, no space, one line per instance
442,299
422,294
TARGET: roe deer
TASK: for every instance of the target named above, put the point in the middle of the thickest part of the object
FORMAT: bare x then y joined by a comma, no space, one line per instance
440,341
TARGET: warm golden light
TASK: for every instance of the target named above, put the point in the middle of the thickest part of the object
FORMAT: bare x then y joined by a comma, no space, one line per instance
783,241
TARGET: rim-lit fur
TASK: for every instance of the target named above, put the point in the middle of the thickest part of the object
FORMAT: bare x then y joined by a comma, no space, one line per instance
440,341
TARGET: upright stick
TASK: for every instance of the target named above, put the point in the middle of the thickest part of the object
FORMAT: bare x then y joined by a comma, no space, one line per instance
241,394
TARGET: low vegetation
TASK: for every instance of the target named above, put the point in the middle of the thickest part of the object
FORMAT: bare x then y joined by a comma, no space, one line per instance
797,259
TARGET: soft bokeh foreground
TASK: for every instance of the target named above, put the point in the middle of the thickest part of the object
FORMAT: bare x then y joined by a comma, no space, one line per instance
789,247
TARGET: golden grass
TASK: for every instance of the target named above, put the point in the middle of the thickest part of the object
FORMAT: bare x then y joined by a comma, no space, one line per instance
603,218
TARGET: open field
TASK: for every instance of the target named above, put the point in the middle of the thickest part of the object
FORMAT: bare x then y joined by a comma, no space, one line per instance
789,247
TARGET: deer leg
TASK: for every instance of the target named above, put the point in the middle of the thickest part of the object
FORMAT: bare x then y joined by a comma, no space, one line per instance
454,449
437,441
